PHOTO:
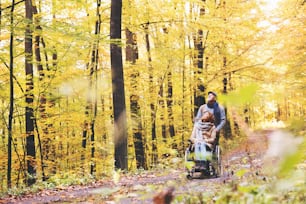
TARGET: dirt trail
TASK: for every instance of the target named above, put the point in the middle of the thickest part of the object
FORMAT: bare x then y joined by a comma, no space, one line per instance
142,188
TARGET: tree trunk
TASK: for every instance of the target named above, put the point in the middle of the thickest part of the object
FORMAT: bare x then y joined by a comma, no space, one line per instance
227,126
170,103
132,56
131,48
199,46
91,107
29,97
84,135
161,105
93,86
225,76
120,134
152,105
46,142
11,109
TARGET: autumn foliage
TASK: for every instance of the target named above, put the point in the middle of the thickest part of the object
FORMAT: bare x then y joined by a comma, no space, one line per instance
59,90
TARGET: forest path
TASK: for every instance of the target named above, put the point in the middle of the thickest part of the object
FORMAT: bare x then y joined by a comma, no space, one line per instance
143,187
130,189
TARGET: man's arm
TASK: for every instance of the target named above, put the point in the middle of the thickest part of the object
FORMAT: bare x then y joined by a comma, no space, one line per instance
223,119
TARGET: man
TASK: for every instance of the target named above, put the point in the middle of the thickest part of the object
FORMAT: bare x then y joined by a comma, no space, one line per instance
213,107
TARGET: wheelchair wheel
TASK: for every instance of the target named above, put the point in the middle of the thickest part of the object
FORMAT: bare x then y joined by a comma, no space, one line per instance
189,164
190,173
219,168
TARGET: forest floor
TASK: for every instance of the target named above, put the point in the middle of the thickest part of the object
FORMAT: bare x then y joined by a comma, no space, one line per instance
147,185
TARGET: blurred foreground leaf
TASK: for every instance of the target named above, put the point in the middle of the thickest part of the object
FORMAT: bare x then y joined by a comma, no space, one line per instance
240,173
293,160
189,165
297,125
241,96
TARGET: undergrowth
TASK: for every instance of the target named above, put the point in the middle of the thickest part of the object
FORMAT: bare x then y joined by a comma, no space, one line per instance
58,181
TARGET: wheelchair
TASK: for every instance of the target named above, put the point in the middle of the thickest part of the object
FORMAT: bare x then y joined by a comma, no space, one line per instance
199,158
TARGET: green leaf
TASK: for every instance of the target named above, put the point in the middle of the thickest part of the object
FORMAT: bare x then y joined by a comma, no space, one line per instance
189,164
292,160
241,172
248,189
242,96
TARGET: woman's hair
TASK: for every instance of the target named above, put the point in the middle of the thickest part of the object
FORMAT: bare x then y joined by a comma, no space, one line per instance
208,117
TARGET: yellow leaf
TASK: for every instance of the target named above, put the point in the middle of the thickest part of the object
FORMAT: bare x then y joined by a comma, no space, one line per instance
5,36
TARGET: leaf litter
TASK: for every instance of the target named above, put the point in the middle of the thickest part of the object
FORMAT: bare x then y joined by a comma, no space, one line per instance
241,167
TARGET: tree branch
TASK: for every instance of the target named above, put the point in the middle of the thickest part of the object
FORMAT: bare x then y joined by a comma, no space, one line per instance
9,7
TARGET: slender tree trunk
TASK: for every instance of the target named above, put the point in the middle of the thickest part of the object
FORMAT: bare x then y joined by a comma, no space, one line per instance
132,56
120,134
46,101
11,109
85,133
152,105
93,86
162,107
91,107
29,97
183,107
199,46
105,140
45,142
227,128
170,103
225,76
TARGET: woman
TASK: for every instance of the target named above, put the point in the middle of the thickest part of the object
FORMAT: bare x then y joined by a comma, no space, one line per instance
205,130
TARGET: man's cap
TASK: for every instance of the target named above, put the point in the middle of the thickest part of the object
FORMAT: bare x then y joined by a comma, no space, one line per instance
213,93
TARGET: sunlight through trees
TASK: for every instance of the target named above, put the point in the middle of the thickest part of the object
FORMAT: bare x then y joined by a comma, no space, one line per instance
82,92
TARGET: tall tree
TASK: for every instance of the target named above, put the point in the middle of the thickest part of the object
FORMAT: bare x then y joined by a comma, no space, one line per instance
11,109
45,142
170,103
152,89
199,47
132,56
29,96
93,85
223,47
91,106
120,132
